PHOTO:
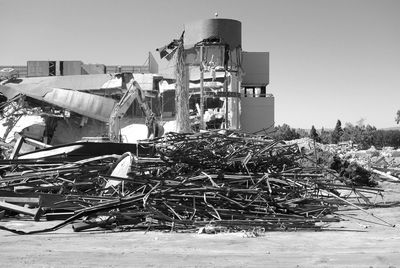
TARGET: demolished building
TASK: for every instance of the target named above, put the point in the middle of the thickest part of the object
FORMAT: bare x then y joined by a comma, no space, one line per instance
75,100
223,180
72,107
214,57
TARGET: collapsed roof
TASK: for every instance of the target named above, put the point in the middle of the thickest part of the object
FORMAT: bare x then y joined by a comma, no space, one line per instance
71,92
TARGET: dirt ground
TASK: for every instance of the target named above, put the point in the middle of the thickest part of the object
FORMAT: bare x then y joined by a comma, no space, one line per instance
352,243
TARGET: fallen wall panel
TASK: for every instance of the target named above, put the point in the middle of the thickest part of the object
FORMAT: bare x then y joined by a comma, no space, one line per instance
89,105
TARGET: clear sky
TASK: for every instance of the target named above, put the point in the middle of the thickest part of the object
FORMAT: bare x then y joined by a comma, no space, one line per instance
329,59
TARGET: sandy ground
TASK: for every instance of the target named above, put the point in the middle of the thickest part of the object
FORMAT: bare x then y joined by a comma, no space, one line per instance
353,243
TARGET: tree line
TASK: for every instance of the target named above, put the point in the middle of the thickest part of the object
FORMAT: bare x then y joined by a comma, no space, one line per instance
363,135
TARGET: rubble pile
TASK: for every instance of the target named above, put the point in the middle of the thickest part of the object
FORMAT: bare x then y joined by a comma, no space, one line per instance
384,162
192,182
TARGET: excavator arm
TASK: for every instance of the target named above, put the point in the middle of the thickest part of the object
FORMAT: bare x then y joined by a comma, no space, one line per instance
134,91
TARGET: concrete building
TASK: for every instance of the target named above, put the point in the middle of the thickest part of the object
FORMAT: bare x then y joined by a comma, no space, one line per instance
39,68
243,76
258,106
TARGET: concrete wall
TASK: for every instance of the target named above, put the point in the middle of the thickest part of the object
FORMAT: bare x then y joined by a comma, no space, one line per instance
257,113
70,67
93,69
41,68
161,66
256,68
153,63
127,68
38,68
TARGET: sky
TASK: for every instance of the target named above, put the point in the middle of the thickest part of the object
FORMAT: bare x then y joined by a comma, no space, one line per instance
329,59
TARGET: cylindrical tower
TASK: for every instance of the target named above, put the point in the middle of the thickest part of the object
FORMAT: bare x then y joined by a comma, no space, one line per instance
227,30
220,41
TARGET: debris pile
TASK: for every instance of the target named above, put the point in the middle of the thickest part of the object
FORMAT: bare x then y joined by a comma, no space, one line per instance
384,162
192,182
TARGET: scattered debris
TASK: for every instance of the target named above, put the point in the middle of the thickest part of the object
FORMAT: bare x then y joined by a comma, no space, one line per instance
205,182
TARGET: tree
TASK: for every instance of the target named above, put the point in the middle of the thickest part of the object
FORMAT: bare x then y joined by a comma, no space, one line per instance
286,133
337,132
349,133
325,136
368,136
397,119
302,132
314,135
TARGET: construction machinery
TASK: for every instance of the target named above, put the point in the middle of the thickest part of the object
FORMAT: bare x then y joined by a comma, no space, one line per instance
134,91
